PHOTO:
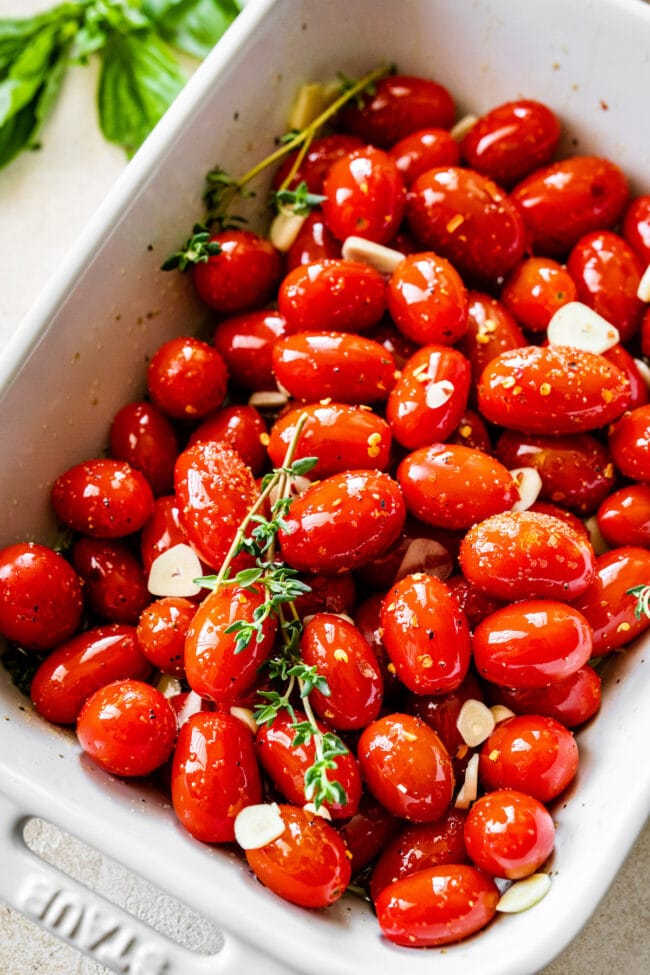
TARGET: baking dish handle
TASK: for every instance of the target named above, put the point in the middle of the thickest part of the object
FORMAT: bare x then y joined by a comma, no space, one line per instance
93,925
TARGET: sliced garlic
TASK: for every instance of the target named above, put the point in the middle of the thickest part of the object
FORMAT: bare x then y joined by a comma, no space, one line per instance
437,394
580,327
312,99
257,825
284,229
501,713
524,893
246,716
644,371
425,555
311,809
463,126
475,722
193,705
383,259
598,542
469,789
268,399
169,686
643,291
174,571
529,484
297,485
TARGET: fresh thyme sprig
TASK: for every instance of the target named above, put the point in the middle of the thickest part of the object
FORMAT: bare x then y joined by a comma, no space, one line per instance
299,201
642,594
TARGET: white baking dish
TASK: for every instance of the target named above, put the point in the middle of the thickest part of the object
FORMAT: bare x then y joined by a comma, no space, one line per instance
81,354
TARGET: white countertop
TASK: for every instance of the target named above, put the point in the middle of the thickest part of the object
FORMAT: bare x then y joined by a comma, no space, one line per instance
46,198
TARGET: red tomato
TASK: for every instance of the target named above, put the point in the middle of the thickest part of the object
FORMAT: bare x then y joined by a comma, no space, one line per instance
393,341
552,390
399,105
621,358
535,289
316,161
530,753
532,643
472,432
307,864
364,196
80,666
527,555
215,490
187,378
607,273
427,300
342,522
629,442
418,847
115,584
423,150
429,398
346,368
636,226
103,498
454,487
555,511
440,712
491,329
418,549
161,632
365,835
509,834
624,517
240,427
406,767
246,343
567,199
468,219
512,140
332,295
614,603
242,276
127,728
571,701
314,242
162,530
40,596
327,594
437,906
342,656
214,775
475,603
142,435
367,616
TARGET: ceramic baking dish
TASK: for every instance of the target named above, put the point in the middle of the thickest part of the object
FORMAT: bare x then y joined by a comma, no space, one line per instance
82,353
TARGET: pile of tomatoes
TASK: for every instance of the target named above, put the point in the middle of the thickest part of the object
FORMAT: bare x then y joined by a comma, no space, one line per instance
438,588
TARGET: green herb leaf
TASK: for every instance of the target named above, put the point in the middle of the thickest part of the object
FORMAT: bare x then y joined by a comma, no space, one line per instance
196,250
303,466
301,201
193,26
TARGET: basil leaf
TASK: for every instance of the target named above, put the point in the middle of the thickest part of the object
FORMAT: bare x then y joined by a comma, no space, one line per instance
16,134
28,72
15,34
193,26
138,81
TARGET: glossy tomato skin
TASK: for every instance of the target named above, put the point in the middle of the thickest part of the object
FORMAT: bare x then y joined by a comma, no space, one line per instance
571,701
214,666
103,498
552,390
366,833
240,427
162,530
616,615
531,753
82,665
512,140
328,594
472,432
187,378
286,765
429,398
475,603
468,219
629,366
343,438
491,329
332,294
427,299
314,242
426,634
315,163
441,711
142,435
567,199
242,276
636,226
624,517
527,555
127,728
215,489
161,633
406,767
364,196
246,343
509,834
342,522
607,273
629,442
307,864
214,775
341,654
535,289
422,150
40,596
454,487
115,584
419,548
400,104
437,906
531,643
367,617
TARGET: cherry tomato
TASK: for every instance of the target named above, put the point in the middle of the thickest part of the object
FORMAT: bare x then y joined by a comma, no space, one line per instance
509,834
621,358
366,833
535,289
468,219
527,555
635,226
624,517
427,299
82,665
491,329
162,530
364,196
242,276
437,906
187,378
332,295
532,643
246,343
475,603
240,427
103,498
40,596
214,775
571,701
629,442
399,105
552,390
530,753
406,767
615,602
142,435
316,162
418,549
307,864
127,728
115,583
607,273
342,522
327,594
314,242
566,199
555,511
472,432
367,616
512,140
393,341
423,150
161,633
441,711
